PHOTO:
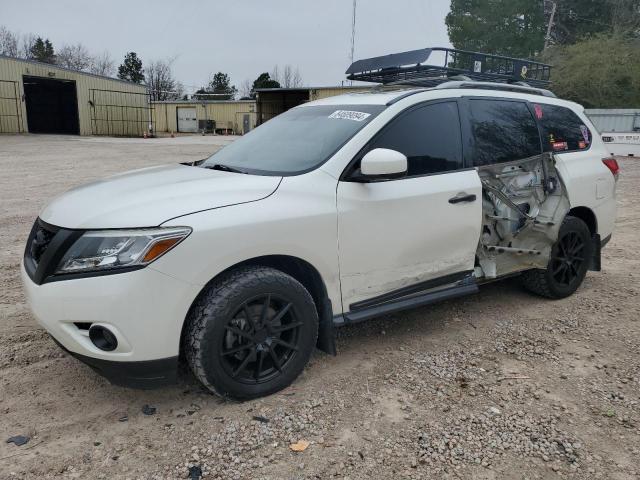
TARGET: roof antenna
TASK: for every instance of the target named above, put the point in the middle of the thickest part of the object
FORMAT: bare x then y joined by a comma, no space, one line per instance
353,31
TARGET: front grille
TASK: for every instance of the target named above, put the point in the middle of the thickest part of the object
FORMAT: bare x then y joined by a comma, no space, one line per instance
44,250
39,241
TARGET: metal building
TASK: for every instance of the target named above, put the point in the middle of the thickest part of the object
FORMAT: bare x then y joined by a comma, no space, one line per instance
220,116
274,101
42,98
615,119
619,128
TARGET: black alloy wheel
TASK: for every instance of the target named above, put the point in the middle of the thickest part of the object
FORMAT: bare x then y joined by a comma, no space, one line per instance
251,332
568,263
260,339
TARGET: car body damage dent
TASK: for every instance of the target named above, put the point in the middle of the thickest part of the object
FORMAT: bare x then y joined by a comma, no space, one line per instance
372,283
523,205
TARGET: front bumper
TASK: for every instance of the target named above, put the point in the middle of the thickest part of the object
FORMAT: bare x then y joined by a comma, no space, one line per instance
145,310
143,375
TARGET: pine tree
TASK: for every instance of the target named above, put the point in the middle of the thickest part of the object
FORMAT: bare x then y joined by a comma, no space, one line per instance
42,51
131,68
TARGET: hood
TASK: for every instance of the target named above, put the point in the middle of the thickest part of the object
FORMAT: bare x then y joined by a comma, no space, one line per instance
151,196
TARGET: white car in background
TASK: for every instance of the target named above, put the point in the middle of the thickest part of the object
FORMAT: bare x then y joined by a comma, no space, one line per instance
332,213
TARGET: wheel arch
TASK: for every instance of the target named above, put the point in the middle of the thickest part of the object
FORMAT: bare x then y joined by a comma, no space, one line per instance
587,216
305,273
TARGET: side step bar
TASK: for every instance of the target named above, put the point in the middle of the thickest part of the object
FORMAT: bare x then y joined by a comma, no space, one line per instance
406,303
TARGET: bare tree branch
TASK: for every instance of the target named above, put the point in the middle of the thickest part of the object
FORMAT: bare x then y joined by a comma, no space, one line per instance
8,42
159,79
103,64
75,57
26,45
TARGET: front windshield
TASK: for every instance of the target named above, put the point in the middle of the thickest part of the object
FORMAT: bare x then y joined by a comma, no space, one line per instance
297,141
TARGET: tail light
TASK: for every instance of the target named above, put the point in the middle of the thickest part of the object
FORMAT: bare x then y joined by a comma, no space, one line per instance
612,164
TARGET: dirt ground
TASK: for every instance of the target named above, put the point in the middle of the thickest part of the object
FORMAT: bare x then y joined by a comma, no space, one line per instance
498,385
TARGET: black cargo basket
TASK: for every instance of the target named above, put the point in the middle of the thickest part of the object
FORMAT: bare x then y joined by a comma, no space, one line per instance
411,68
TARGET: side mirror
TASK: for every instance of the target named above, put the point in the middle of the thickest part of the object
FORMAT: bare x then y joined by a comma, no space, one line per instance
382,163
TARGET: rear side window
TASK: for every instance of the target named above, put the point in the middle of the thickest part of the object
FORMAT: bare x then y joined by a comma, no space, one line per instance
502,131
428,135
562,129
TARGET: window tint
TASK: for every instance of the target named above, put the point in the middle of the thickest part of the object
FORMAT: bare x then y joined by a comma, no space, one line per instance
429,136
502,131
562,129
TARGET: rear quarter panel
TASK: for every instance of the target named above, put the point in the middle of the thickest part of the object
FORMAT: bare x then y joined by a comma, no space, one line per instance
589,182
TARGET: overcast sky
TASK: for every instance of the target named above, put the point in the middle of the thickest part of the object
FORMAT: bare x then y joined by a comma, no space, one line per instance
240,37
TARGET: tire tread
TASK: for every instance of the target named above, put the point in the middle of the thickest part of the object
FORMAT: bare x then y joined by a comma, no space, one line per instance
219,296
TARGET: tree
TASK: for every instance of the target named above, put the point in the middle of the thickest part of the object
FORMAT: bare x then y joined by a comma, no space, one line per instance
75,57
504,27
265,81
159,79
26,45
42,51
575,20
103,64
600,72
8,42
291,78
287,77
131,69
219,88
246,90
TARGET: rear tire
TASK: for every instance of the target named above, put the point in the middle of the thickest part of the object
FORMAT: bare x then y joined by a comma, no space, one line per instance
568,263
251,333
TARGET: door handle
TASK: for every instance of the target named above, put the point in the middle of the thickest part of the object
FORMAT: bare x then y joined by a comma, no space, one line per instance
463,197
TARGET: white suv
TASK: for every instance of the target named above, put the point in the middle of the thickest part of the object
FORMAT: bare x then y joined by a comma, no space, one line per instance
332,213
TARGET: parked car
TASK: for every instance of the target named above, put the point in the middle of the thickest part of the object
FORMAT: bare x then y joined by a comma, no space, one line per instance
334,212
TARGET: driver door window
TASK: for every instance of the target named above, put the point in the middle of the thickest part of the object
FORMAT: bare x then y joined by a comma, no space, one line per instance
428,135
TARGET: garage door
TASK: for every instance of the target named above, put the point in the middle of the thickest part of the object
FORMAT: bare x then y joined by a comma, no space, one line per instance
187,121
52,105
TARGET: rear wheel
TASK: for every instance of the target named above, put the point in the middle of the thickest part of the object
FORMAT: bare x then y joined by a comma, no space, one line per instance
568,264
251,333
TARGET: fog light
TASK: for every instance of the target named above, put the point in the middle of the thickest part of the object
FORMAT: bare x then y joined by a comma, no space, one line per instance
103,338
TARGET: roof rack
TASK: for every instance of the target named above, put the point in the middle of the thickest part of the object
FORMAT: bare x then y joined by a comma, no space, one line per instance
410,68
498,86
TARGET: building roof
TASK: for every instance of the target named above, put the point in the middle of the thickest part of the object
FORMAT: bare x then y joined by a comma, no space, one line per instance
196,101
306,89
79,72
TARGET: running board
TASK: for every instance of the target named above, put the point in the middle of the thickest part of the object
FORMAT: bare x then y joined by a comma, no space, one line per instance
405,303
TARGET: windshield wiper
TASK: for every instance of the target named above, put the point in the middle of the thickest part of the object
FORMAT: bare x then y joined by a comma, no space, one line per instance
224,168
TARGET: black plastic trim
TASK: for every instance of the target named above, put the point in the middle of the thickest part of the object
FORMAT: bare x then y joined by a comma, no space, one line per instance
406,304
596,260
96,273
605,240
326,335
61,241
142,375
410,290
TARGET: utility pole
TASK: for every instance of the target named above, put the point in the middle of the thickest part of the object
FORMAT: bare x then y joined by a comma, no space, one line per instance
547,39
353,29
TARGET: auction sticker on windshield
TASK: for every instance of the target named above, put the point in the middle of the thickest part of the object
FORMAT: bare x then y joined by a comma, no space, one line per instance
350,115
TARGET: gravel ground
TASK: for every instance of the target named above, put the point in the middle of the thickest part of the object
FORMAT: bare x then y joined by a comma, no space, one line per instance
498,385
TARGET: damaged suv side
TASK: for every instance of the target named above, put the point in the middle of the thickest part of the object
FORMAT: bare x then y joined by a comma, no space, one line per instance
334,212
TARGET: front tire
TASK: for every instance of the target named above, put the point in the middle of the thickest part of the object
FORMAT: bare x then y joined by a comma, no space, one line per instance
568,263
251,333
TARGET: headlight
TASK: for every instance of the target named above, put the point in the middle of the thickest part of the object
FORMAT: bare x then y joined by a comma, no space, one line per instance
112,249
